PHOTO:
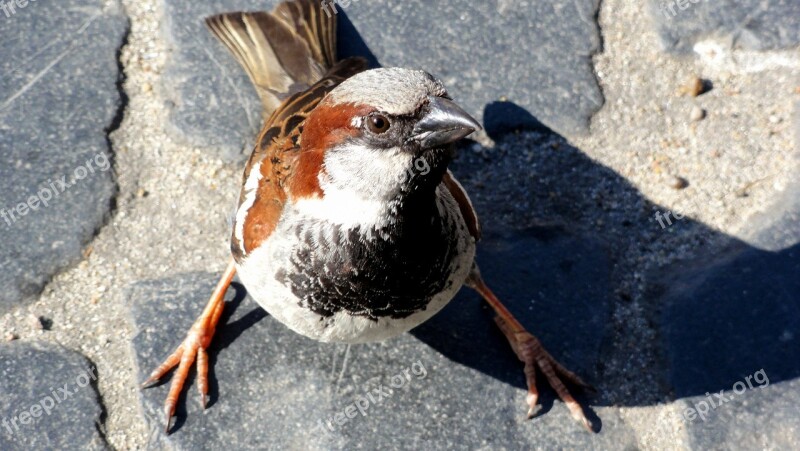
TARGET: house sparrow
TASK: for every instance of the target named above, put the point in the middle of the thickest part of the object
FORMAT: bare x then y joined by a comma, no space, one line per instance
350,228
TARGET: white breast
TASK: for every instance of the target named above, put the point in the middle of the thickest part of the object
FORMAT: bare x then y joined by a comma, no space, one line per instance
258,273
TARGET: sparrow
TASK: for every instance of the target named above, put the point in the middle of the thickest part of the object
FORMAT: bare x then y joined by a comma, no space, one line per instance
349,228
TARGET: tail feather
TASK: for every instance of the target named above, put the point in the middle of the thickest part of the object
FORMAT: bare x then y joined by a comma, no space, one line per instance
284,51
319,30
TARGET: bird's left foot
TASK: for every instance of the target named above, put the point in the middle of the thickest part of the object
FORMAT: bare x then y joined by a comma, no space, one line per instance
532,354
536,359
193,348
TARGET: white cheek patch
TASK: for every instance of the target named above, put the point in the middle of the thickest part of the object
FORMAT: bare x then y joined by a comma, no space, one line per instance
357,121
371,173
359,187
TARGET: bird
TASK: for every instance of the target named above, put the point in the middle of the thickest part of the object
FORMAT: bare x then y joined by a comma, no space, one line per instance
350,227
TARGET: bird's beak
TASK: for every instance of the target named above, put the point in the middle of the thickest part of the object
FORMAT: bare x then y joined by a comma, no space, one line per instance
443,122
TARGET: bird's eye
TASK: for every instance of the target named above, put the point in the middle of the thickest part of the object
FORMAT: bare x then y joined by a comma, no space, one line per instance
378,124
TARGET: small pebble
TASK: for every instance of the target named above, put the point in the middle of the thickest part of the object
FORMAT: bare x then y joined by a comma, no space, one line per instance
694,87
11,337
698,114
678,182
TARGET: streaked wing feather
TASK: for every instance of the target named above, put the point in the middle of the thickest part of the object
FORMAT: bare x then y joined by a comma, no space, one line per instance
277,151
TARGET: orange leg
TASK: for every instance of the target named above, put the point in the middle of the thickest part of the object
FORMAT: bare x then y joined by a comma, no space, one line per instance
194,345
532,354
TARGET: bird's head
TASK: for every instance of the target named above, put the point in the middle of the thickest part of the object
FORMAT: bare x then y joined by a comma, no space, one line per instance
385,132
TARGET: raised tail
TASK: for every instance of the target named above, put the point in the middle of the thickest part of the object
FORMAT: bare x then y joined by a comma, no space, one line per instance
284,51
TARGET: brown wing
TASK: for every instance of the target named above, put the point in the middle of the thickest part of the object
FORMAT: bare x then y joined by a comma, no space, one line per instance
276,156
464,204
290,56
281,131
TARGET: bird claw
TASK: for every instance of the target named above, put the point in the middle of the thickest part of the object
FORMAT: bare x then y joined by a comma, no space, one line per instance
537,360
169,418
533,411
192,349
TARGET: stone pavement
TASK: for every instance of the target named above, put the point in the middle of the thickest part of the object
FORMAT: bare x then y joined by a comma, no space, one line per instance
49,399
213,104
60,95
571,244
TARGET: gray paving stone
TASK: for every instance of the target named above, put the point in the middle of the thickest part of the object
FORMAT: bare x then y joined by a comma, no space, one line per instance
211,101
539,56
733,324
58,79
748,24
778,227
49,400
274,389
758,418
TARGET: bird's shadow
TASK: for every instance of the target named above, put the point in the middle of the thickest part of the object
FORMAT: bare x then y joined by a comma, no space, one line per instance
716,320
